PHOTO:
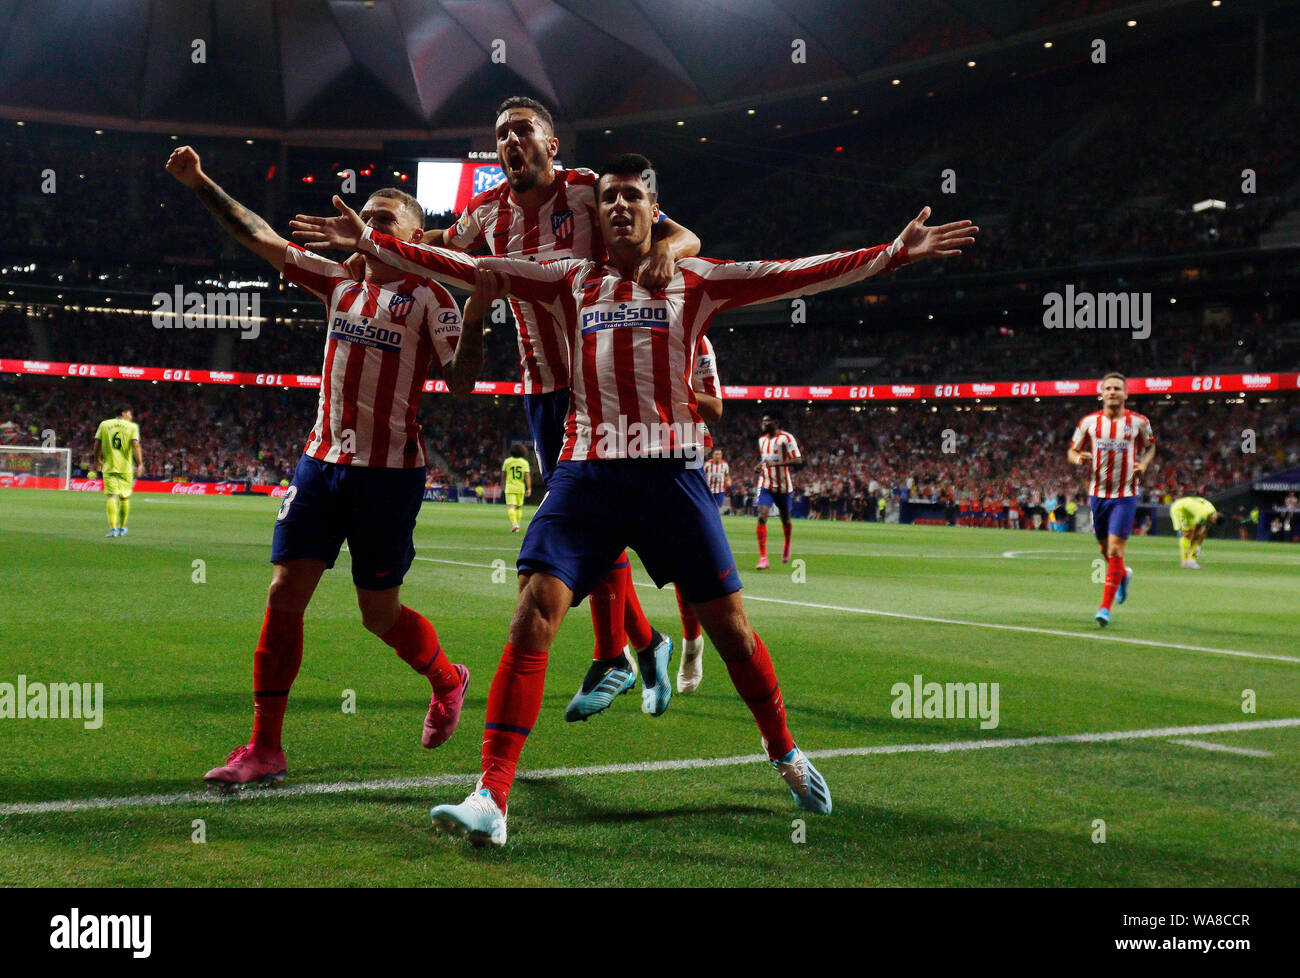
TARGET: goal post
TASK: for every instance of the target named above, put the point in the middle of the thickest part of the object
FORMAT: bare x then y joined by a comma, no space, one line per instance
33,467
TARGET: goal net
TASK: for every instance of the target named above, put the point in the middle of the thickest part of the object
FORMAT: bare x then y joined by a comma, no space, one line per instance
30,467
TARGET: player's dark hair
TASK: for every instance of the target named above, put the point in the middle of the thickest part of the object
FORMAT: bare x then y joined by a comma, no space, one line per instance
524,102
412,205
630,165
1116,374
123,410
517,450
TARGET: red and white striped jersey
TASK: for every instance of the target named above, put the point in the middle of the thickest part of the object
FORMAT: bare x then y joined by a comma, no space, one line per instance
704,379
633,349
1116,444
780,447
380,342
718,475
566,226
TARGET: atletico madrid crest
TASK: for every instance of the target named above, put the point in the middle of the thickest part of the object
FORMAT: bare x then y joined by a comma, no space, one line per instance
399,306
562,224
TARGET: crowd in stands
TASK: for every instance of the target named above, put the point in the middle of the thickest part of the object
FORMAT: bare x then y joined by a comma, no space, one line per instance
854,454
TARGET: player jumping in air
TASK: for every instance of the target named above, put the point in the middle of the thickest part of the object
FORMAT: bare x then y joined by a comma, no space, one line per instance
634,347
117,453
1192,517
1122,446
361,476
518,479
541,213
780,456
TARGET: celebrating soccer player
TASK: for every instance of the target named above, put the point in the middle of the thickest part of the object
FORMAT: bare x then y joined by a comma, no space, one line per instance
518,479
1192,517
542,213
779,454
624,474
1117,435
361,476
117,453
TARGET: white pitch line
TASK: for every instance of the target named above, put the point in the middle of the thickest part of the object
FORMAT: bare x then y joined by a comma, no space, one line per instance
1090,636
693,763
1206,745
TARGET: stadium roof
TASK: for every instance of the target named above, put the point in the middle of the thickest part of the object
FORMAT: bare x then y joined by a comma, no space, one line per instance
415,68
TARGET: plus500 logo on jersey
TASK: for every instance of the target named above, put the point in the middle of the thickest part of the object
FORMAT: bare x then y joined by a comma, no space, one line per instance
1111,445
366,333
648,316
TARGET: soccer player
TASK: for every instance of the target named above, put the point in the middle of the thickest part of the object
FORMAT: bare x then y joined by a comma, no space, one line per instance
518,483
780,455
361,476
542,213
117,453
717,471
1122,446
633,346
1192,517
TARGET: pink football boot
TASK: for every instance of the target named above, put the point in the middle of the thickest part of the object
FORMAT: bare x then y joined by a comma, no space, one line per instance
444,713
246,767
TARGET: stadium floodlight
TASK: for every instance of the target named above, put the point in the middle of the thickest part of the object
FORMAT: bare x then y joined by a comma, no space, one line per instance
31,466
1205,205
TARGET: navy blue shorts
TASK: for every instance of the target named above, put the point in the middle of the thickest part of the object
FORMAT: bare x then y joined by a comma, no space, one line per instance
663,510
546,414
720,499
373,509
781,500
1112,516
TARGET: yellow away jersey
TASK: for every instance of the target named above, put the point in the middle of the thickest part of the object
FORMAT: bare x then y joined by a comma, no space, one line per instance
515,469
115,436
1196,509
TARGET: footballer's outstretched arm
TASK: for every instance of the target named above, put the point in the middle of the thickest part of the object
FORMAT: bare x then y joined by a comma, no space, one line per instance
732,284
242,224
527,280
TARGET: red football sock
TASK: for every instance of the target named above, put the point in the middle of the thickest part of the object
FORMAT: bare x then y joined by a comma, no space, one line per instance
1114,574
514,701
635,623
690,624
415,641
275,664
607,601
755,680
761,531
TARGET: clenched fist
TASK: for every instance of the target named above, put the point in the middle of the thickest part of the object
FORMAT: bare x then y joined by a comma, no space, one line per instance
183,164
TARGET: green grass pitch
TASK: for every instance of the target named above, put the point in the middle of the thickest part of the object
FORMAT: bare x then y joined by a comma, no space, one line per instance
174,657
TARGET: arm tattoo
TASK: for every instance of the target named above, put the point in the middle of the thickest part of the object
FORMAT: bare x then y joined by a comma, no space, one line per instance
234,216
